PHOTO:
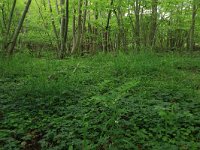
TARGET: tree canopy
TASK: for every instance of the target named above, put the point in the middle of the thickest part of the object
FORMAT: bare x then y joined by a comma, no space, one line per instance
89,26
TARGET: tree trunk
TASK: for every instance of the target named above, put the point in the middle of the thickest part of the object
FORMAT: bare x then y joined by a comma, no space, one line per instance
66,24
54,26
76,47
9,23
57,8
17,31
137,23
62,29
192,29
95,42
84,24
107,27
3,16
74,29
152,35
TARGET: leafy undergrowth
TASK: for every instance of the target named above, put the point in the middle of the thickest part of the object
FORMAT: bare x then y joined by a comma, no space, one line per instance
139,101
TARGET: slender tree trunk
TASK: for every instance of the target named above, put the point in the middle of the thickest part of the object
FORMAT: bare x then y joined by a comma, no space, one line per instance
74,29
11,15
95,43
132,25
123,33
90,39
121,38
84,24
62,29
78,42
9,23
192,29
152,35
3,27
3,16
66,24
107,27
17,31
119,34
137,23
57,7
54,26
76,47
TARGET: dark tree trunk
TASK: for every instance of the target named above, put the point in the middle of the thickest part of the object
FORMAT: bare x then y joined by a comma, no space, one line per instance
66,23
107,27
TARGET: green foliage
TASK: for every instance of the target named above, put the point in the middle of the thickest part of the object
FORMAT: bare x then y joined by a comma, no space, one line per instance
173,26
135,101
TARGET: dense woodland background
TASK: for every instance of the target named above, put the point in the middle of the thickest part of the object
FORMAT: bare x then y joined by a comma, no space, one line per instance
99,75
90,26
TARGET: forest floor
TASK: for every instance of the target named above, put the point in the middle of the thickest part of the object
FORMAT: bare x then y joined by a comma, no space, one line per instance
138,101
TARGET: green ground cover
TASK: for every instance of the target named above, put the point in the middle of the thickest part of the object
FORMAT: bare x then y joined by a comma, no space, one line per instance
137,101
